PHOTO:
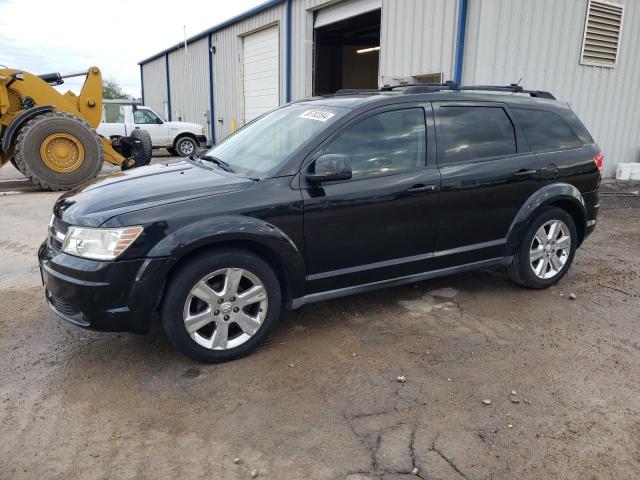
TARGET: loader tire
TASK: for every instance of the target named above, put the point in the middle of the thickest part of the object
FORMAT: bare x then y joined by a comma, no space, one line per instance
58,151
142,156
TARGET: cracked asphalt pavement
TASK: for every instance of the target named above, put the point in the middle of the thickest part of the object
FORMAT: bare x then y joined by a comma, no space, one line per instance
321,398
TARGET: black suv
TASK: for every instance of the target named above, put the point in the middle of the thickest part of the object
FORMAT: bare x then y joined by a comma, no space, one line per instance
323,198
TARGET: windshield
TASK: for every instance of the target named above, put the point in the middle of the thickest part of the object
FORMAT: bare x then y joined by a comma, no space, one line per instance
266,143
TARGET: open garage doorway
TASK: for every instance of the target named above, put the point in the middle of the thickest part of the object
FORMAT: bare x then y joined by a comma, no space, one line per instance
346,50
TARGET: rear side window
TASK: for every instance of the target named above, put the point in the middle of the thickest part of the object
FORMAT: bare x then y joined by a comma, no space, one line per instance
474,133
384,143
545,130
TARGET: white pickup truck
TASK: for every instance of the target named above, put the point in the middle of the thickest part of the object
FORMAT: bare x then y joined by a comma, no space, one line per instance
180,138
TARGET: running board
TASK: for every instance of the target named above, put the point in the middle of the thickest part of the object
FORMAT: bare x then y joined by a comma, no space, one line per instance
418,277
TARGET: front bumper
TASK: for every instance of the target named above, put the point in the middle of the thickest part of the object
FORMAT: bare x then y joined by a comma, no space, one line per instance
106,296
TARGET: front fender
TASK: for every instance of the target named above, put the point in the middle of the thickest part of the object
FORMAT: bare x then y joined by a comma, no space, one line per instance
10,132
234,230
547,195
181,132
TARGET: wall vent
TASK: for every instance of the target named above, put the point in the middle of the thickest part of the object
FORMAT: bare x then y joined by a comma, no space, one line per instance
602,30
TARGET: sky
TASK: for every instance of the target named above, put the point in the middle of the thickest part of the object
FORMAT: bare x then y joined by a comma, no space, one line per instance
68,36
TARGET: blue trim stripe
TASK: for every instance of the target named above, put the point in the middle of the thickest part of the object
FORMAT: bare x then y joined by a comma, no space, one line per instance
288,53
142,83
166,62
462,27
212,111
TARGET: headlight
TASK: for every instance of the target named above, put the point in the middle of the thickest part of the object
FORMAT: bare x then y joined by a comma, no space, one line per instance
99,243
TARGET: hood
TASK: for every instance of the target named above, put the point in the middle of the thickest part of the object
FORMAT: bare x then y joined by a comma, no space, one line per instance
94,203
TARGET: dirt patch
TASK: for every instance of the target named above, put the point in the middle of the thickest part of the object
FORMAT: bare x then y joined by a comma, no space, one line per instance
78,404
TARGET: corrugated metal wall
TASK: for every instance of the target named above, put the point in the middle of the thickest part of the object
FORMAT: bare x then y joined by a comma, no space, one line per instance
155,84
302,46
189,80
402,55
541,41
417,38
227,70
506,40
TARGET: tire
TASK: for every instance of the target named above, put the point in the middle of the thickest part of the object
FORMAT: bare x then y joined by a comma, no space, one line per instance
172,151
34,134
142,156
528,267
185,146
183,302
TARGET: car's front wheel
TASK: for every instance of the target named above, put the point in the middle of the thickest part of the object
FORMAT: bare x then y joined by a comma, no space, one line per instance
546,251
185,146
219,306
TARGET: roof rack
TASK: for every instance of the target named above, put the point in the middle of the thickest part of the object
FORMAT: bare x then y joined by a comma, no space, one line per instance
352,91
410,88
415,88
513,88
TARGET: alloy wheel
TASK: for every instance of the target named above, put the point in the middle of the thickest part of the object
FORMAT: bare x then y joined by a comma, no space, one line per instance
550,249
186,148
225,308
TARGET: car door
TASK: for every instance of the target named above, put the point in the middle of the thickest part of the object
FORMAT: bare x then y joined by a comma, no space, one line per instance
381,223
487,174
146,119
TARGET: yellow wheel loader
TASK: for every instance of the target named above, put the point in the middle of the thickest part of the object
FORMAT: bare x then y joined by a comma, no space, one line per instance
51,137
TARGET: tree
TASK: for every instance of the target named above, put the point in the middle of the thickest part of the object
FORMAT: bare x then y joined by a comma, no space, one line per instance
111,90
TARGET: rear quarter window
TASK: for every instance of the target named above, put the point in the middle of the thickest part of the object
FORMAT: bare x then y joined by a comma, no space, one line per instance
474,133
546,131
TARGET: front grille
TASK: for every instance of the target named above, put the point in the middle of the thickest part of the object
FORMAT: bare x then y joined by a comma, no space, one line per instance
66,311
57,229
63,307
54,245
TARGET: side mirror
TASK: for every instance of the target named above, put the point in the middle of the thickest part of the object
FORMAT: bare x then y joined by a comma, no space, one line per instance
330,167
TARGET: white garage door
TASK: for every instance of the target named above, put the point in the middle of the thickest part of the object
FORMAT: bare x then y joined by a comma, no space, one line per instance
344,10
260,61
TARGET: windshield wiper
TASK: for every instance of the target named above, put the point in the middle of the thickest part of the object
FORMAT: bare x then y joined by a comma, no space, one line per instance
221,163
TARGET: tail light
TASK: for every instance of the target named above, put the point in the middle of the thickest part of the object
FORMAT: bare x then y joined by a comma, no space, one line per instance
598,161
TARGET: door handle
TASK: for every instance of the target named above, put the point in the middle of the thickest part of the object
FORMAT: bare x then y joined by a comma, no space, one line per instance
525,173
422,189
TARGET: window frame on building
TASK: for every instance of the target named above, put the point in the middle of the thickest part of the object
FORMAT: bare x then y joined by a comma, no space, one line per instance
597,8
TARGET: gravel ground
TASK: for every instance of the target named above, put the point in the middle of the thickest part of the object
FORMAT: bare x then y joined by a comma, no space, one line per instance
499,382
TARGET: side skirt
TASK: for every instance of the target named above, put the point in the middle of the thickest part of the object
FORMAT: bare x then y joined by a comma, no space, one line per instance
343,292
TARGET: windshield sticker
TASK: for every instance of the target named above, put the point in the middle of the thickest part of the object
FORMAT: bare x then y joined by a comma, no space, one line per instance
317,115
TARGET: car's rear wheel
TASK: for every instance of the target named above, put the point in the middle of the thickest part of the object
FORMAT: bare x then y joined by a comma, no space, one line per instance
220,306
546,250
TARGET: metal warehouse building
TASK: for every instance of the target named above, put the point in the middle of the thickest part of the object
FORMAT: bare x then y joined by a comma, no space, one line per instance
586,52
